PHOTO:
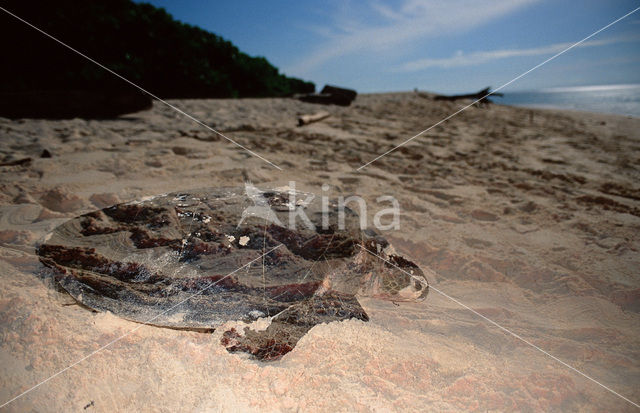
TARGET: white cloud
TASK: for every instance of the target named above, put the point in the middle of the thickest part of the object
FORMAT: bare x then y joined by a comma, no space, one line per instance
475,58
393,27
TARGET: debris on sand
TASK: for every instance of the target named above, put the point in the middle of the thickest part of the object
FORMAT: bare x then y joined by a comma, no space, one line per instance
330,95
482,96
23,161
314,117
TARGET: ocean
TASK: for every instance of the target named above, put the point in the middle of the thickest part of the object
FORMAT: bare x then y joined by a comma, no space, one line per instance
616,99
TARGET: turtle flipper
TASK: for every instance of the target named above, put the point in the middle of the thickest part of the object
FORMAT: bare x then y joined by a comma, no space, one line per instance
291,324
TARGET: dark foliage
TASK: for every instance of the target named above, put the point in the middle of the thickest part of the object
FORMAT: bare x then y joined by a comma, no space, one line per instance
141,42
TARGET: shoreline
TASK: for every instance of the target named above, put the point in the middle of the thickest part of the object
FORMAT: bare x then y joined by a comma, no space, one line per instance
553,108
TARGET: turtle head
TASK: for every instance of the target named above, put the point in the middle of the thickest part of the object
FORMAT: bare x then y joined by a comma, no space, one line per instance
389,276
399,279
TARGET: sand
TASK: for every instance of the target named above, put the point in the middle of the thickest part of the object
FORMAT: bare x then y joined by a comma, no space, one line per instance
529,217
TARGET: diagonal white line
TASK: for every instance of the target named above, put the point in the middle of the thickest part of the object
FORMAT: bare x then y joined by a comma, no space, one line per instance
308,271
501,87
141,89
135,329
507,330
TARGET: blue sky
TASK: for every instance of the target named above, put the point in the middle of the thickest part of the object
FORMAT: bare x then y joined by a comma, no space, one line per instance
437,45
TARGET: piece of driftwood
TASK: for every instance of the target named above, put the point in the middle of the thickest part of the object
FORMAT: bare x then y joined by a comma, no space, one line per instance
23,161
345,95
67,104
314,117
321,98
482,96
330,95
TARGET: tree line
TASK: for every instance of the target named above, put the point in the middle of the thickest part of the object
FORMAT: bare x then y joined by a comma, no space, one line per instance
139,41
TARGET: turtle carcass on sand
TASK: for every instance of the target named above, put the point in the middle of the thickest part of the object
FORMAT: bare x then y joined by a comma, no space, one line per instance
197,259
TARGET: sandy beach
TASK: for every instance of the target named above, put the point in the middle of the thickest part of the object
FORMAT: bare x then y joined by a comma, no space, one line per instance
531,218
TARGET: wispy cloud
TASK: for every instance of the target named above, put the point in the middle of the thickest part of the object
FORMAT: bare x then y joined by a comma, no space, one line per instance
373,26
475,58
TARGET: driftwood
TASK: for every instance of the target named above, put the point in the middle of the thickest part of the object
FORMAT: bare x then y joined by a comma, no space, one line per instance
23,161
482,96
314,117
330,95
346,95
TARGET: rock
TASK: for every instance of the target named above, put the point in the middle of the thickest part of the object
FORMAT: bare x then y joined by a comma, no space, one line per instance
528,207
180,150
608,242
525,228
60,200
104,200
47,214
449,218
481,215
477,243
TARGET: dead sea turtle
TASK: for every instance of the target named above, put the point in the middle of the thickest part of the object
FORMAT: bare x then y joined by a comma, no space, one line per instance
198,259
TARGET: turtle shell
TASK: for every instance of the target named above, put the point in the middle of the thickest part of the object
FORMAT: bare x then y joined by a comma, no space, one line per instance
147,261
198,259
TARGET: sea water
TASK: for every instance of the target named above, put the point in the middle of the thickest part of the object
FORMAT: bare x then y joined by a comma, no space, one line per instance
616,99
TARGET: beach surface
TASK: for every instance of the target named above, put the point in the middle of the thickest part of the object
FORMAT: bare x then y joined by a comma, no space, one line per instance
528,222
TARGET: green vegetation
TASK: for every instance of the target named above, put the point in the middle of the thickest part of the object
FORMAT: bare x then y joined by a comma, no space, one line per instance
139,41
